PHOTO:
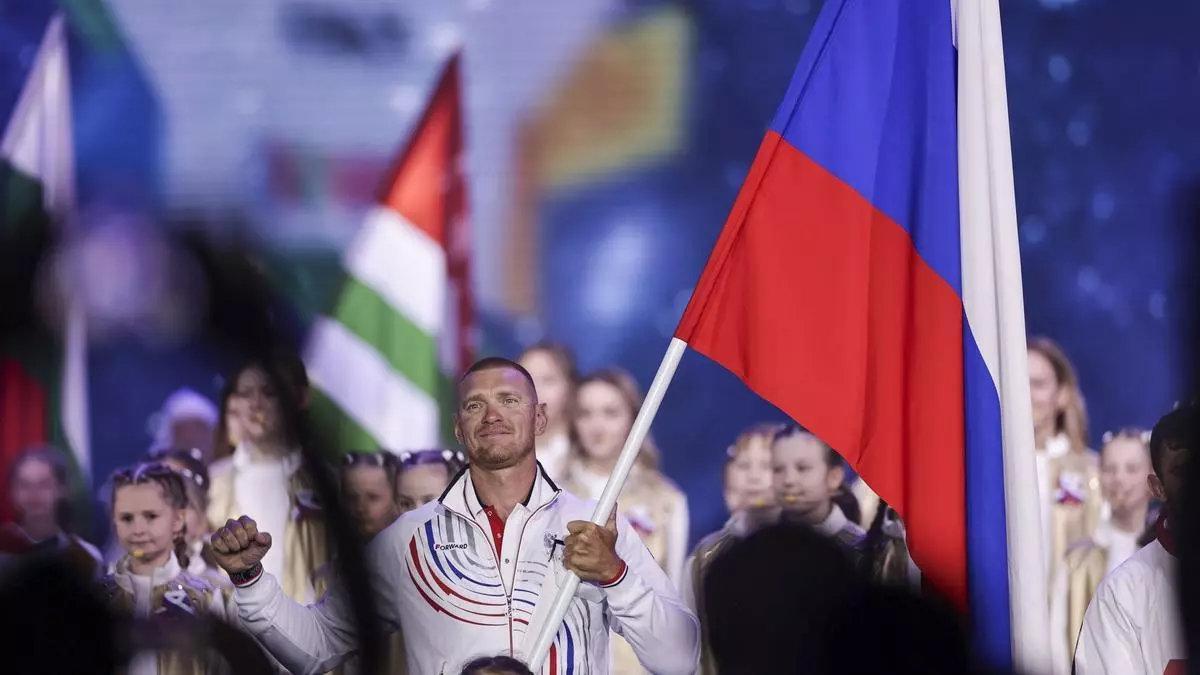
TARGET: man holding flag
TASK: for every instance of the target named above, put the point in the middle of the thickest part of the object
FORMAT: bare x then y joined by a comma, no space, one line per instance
472,573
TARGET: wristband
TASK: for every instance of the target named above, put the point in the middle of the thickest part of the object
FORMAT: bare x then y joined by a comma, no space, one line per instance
247,576
617,579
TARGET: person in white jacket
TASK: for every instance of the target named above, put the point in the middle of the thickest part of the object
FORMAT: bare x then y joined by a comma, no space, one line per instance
474,573
1133,625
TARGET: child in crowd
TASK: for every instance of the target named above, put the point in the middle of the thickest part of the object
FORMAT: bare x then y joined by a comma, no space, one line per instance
424,474
747,473
151,580
750,498
1124,471
808,476
369,489
368,482
189,464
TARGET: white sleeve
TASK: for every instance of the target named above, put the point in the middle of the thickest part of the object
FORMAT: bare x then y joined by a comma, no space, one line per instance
316,638
312,639
1107,643
647,612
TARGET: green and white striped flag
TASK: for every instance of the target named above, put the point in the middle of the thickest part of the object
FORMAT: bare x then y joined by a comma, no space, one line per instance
38,156
381,362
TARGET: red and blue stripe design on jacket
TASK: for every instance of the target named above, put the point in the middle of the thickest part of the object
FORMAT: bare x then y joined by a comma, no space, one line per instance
453,570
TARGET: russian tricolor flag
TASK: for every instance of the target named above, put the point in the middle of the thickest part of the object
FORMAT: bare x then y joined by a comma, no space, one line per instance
868,283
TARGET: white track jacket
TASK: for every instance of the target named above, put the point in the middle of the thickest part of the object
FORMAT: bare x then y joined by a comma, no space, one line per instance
437,576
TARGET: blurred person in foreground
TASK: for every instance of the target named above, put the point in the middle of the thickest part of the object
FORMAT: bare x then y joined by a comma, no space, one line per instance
473,573
368,483
265,474
1068,472
1124,482
38,637
750,498
554,375
1133,622
787,600
38,484
424,474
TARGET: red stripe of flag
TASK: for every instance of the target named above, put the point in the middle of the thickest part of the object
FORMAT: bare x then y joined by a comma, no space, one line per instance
821,305
418,187
22,422
427,188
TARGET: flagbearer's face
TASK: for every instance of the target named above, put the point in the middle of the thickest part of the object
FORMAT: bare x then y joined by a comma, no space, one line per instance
498,418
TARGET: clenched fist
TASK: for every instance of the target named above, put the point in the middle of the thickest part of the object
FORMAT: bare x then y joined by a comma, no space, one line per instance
239,545
591,550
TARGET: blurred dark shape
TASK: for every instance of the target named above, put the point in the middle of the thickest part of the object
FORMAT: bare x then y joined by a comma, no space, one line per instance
845,500
1187,523
248,318
787,600
886,559
1185,517
187,637
496,665
51,623
25,239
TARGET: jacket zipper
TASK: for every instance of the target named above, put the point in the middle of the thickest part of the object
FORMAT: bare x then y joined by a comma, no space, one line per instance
500,570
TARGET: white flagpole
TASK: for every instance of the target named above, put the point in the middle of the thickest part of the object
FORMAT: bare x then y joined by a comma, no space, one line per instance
608,498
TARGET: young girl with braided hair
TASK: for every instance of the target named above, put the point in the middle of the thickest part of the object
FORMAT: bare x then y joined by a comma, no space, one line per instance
151,580
189,464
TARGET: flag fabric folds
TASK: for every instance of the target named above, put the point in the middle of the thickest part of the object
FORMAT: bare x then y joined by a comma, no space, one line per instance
867,282
382,359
